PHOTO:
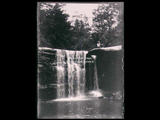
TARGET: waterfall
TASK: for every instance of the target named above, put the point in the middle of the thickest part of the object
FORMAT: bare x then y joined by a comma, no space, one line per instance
60,74
70,73
96,86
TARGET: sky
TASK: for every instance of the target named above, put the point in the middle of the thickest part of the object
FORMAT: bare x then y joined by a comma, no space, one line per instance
84,9
80,8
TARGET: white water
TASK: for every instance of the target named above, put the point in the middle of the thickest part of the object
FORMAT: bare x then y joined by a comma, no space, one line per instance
96,86
72,99
70,73
60,74
71,76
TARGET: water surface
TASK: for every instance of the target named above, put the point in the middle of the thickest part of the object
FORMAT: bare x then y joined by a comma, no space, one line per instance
98,108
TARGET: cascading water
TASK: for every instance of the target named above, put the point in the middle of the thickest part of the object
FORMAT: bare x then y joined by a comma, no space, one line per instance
94,90
96,86
70,64
60,74
65,75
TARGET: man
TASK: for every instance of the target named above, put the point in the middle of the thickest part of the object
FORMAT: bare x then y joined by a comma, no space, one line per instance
98,44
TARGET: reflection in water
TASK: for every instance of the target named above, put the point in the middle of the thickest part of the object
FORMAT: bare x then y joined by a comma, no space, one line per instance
99,108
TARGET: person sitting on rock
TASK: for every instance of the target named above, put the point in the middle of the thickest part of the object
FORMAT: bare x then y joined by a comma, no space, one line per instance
99,44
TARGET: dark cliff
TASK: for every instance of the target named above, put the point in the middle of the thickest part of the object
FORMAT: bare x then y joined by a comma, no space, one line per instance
109,67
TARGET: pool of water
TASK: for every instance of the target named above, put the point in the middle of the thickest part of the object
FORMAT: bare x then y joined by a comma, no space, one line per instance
96,108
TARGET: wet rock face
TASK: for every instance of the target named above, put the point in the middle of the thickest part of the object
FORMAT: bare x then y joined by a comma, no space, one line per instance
46,74
89,64
109,70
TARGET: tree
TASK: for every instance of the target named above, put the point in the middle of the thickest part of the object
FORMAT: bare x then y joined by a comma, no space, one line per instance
81,35
54,27
107,24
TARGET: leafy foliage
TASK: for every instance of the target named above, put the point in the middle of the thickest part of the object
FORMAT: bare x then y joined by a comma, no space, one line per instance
81,35
56,31
54,28
107,25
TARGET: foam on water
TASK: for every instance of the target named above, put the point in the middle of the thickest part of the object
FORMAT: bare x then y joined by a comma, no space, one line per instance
72,99
95,93
92,95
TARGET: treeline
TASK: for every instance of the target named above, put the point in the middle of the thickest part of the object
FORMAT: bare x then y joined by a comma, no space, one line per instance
55,31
